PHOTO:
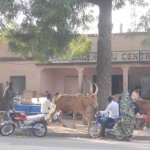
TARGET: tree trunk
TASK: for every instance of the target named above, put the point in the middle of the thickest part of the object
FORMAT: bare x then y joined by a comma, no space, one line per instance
104,53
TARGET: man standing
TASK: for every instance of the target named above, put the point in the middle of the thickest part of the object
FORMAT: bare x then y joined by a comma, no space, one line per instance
136,96
8,96
47,106
136,93
113,111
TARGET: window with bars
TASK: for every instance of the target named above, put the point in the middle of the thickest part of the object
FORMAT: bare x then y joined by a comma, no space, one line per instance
19,84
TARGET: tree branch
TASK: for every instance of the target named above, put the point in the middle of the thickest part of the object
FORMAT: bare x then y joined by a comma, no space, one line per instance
96,2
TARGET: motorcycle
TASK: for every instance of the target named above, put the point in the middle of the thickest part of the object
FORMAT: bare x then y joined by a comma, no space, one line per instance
95,128
36,124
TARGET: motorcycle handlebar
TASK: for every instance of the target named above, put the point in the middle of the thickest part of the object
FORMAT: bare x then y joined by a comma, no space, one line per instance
99,113
12,108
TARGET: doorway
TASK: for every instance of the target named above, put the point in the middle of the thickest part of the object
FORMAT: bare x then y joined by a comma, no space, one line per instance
117,84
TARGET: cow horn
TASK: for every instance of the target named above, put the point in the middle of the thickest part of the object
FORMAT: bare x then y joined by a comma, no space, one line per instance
96,91
91,87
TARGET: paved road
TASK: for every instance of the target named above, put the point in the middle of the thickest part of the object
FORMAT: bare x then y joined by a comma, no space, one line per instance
67,143
60,138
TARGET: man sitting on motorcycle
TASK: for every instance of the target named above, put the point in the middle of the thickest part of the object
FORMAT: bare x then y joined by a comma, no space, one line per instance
113,112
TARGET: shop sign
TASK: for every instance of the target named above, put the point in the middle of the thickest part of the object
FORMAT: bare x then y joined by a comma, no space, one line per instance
144,56
92,57
127,56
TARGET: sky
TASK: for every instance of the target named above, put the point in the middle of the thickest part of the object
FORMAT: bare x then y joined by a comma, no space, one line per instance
121,16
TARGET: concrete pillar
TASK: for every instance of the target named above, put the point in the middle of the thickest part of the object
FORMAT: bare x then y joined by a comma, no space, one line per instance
80,79
125,70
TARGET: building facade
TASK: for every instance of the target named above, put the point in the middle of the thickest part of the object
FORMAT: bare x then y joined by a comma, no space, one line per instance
130,67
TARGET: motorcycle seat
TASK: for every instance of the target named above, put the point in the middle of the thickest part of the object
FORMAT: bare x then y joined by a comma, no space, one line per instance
35,117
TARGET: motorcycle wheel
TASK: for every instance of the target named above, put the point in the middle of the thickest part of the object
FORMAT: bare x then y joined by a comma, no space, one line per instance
40,129
120,137
7,129
94,129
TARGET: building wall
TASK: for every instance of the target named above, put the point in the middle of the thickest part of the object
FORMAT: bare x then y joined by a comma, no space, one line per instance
4,52
122,42
21,68
53,77
127,42
93,38
59,78
47,77
135,75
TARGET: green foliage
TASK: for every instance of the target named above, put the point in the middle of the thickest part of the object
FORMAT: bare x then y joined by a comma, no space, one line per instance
46,27
9,8
142,24
141,21
117,4
146,41
80,45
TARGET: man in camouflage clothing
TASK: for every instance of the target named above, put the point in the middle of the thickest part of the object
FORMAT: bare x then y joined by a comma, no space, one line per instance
8,96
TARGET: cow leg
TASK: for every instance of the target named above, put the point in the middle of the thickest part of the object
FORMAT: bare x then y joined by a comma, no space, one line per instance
61,120
49,117
85,115
74,119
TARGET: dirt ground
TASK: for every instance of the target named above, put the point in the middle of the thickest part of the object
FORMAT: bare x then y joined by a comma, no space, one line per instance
145,132
82,130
